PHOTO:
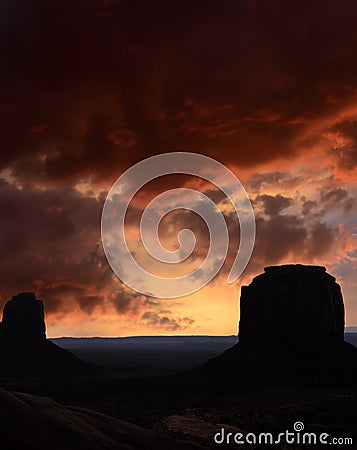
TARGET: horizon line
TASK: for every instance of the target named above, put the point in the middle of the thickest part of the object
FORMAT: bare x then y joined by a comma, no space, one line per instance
348,329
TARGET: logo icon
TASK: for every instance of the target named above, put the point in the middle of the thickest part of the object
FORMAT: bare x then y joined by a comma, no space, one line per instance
298,426
117,202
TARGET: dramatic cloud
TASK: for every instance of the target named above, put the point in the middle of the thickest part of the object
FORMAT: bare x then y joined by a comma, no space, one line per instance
247,81
50,242
93,86
345,134
273,205
164,322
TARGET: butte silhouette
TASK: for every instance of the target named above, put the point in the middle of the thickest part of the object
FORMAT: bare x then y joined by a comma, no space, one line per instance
24,349
291,330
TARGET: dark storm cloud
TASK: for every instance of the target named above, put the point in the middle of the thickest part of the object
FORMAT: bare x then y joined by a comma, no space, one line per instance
304,236
126,301
336,197
265,180
346,153
50,243
330,199
88,303
308,206
279,236
273,205
90,87
322,239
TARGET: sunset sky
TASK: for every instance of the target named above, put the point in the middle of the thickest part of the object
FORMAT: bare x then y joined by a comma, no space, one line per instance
268,88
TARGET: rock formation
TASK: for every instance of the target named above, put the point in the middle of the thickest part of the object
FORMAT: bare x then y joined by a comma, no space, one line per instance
24,349
23,317
291,331
296,304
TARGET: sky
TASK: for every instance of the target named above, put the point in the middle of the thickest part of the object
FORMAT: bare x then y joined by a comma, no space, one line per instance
88,88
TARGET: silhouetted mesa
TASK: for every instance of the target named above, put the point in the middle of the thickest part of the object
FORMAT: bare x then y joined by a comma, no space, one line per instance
24,349
23,317
294,304
291,330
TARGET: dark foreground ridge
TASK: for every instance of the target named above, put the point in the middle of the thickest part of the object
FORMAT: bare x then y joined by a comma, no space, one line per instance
291,330
37,423
24,349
